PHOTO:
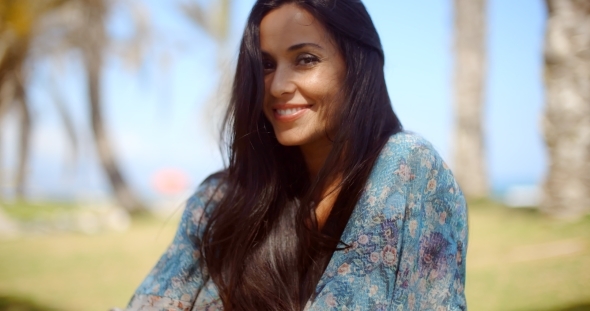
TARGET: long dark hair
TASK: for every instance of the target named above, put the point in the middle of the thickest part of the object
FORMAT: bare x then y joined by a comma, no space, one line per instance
262,245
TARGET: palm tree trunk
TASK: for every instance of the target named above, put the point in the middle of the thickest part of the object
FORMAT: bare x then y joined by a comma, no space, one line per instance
469,154
6,97
12,59
126,198
93,51
566,122
24,138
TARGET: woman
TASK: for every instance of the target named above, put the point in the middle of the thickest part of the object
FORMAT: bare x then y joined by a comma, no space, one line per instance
326,203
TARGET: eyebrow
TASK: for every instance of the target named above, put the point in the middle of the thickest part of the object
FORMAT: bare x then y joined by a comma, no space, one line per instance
302,45
296,47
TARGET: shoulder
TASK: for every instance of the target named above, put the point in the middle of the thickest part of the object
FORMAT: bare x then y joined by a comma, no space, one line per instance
206,197
405,144
409,165
410,153
212,188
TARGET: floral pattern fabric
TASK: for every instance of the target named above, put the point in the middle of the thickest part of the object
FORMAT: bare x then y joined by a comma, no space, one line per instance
408,238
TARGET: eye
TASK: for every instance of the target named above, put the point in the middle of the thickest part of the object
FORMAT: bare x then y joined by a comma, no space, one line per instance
307,60
268,65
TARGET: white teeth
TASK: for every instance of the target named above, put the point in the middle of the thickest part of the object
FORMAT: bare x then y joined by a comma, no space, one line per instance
285,112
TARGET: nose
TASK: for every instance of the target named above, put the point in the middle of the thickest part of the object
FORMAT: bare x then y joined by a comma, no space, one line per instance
281,82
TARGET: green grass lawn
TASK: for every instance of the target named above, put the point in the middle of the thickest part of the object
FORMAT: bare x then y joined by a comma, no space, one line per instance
517,260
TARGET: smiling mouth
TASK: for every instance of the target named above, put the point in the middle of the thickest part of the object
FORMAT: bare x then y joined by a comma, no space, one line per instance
290,111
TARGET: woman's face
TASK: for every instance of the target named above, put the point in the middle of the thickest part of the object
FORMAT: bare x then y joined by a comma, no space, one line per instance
304,73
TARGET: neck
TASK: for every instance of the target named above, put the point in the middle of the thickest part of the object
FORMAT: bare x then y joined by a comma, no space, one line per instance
315,157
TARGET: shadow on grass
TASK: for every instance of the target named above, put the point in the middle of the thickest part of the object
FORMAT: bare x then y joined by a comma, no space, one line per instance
11,303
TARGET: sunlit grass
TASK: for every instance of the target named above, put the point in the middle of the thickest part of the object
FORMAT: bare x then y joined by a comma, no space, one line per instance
517,260
31,211
520,260
80,272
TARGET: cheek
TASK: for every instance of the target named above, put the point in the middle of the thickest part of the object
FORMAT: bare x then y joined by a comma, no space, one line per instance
322,86
267,97
267,82
327,90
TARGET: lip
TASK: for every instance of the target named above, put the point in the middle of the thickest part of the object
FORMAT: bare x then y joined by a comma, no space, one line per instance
302,109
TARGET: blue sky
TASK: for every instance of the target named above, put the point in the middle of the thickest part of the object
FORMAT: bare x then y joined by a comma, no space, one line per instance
159,114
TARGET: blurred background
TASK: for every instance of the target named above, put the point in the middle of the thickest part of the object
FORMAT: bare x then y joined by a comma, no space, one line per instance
109,117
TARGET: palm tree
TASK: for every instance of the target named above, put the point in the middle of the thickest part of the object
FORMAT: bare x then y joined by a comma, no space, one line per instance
566,122
469,154
214,20
87,33
19,22
59,25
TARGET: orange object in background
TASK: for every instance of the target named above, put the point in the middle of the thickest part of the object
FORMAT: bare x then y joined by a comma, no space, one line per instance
170,181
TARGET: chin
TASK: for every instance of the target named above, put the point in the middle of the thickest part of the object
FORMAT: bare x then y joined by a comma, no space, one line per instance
290,140
293,137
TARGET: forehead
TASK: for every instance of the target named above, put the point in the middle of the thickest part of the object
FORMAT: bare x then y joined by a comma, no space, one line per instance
289,25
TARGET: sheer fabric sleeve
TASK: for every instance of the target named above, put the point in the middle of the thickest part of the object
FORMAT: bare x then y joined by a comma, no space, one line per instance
176,280
406,238
431,273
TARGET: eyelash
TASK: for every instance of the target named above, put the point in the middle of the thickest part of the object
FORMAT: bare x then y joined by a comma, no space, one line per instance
305,60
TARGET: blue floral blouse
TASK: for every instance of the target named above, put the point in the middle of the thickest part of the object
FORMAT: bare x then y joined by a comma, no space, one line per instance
408,237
